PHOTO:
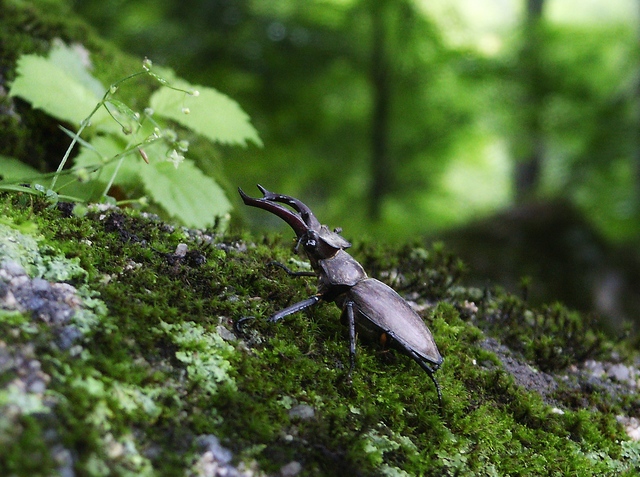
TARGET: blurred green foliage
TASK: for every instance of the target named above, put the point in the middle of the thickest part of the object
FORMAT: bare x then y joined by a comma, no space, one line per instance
456,117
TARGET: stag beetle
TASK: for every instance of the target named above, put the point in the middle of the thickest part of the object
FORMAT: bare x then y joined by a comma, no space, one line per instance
375,307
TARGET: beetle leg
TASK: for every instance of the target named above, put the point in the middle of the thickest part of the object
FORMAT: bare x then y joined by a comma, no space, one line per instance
412,354
418,359
351,322
295,308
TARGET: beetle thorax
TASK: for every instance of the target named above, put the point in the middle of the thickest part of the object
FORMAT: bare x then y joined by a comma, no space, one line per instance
340,270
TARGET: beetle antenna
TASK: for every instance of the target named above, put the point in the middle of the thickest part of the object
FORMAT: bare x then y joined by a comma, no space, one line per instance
290,272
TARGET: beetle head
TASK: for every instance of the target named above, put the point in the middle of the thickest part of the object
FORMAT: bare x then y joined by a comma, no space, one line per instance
318,241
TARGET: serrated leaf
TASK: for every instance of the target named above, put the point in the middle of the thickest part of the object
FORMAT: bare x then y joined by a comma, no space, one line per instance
74,60
49,87
185,193
211,113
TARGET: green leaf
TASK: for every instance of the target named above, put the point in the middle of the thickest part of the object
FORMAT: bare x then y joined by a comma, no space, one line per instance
74,60
211,113
59,91
124,115
185,193
107,147
49,88
14,170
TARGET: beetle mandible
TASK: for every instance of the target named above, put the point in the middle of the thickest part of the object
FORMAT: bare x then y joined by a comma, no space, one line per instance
366,302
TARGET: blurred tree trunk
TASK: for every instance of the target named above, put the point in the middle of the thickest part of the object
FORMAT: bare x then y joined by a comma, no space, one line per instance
529,161
381,173
636,151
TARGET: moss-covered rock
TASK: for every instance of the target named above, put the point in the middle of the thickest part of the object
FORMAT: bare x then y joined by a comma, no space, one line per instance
118,354
155,374
561,255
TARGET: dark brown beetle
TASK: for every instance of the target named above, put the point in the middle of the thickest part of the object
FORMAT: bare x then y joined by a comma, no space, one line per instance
366,302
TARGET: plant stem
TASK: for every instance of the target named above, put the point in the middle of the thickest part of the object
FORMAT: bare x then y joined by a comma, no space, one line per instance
86,122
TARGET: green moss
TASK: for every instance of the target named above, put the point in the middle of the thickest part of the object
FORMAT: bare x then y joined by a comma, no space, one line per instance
158,364
38,261
161,366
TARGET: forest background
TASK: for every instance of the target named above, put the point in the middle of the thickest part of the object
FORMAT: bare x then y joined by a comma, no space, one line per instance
399,120
404,117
